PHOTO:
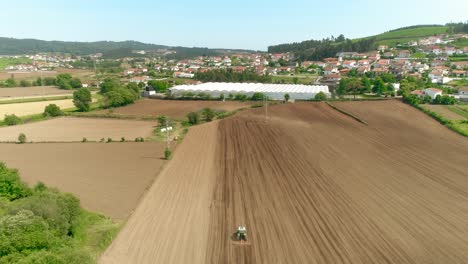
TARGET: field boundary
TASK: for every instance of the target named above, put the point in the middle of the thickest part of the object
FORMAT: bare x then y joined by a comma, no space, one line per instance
447,123
348,114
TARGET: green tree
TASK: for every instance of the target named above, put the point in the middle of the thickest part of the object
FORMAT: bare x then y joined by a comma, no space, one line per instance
11,187
10,82
22,138
82,99
75,83
354,85
320,96
286,97
63,81
257,97
52,110
379,86
167,154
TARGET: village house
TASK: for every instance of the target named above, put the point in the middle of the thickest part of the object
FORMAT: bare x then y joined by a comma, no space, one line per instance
433,92
330,70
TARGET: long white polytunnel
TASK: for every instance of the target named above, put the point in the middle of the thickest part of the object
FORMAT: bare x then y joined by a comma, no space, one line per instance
273,91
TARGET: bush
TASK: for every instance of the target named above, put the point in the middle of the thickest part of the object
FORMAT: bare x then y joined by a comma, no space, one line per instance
208,114
162,119
52,110
84,140
109,140
22,138
122,139
82,99
139,139
193,118
167,154
320,96
11,120
257,97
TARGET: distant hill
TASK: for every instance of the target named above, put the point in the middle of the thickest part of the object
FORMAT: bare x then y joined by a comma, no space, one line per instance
319,49
111,49
407,34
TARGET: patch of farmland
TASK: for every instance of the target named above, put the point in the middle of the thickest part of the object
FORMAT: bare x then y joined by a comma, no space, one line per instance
25,109
443,111
22,92
108,178
72,129
174,108
313,185
171,223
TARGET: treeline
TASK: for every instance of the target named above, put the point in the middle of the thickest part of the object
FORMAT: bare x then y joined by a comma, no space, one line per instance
63,81
458,27
110,49
320,49
41,225
116,94
232,76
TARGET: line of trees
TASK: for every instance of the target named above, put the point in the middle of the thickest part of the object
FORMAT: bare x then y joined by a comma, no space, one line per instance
63,81
232,76
328,47
116,94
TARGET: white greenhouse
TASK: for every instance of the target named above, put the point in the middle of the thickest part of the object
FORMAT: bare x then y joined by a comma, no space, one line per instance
273,91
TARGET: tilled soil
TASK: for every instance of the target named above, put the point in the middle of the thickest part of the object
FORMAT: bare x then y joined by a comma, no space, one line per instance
311,185
74,129
174,108
314,186
108,178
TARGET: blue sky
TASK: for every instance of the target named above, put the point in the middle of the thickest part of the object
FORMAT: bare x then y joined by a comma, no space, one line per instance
253,24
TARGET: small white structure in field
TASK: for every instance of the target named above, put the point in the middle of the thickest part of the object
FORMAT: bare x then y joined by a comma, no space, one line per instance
166,129
433,92
396,87
149,90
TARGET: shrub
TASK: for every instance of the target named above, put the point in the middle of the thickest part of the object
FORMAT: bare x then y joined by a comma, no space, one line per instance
162,119
22,138
286,97
102,140
320,96
167,154
84,140
52,110
11,120
193,118
257,97
109,140
122,139
208,114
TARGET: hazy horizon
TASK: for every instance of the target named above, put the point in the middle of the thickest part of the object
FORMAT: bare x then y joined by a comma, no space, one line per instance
214,24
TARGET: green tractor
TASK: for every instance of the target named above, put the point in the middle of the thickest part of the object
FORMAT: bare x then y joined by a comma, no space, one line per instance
241,233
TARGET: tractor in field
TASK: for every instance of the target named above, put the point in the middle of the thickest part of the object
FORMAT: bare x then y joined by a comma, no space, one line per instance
241,233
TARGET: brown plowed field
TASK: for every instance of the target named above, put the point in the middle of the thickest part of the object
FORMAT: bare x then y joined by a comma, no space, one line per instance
312,185
171,223
73,129
108,178
173,108
31,92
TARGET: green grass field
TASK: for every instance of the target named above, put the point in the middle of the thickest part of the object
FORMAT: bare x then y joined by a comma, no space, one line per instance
5,62
406,35
461,110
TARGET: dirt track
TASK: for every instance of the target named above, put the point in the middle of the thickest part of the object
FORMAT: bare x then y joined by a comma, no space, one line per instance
108,178
312,186
173,108
171,224
73,129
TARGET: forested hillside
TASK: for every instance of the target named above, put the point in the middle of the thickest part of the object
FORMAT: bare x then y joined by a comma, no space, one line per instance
110,49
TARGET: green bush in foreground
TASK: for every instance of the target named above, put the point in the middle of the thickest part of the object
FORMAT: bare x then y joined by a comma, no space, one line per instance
11,120
42,225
